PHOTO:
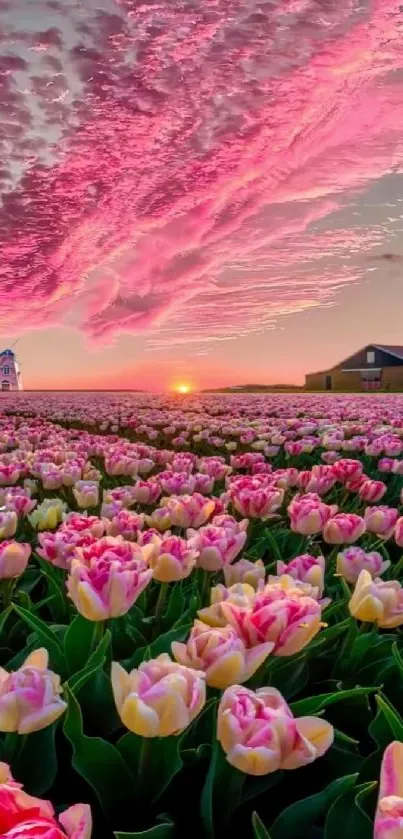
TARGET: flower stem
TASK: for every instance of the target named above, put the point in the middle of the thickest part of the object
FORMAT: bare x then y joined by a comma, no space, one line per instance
160,605
144,760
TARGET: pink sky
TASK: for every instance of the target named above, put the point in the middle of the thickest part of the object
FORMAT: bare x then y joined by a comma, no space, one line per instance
200,192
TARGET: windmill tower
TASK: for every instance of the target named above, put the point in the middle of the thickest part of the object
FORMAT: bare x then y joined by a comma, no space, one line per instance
10,374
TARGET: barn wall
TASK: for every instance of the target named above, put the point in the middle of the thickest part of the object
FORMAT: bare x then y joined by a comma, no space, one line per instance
315,381
392,378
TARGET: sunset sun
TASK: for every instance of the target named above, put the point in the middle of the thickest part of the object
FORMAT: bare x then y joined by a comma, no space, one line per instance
183,389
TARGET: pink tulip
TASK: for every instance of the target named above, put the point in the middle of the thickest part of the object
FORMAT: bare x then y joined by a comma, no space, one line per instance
216,546
160,699
393,448
82,523
307,569
244,571
377,601
109,509
106,578
399,532
30,697
126,524
214,467
24,817
347,470
86,494
308,514
330,457
389,811
229,523
171,558
257,503
160,519
381,520
14,558
52,478
221,654
188,510
20,504
311,483
8,524
343,529
203,483
123,494
289,619
151,535
259,733
59,548
355,484
352,561
240,594
9,474
146,492
372,491
386,464
176,483
294,447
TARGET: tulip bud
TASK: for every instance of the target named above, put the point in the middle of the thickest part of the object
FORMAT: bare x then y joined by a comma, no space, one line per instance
158,699
170,559
221,654
244,571
259,734
377,601
14,558
30,697
86,494
389,811
381,520
343,528
352,561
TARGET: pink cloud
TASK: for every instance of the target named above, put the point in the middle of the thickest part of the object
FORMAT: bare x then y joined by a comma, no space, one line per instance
176,170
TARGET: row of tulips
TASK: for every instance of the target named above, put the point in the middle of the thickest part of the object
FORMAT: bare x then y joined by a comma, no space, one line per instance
211,580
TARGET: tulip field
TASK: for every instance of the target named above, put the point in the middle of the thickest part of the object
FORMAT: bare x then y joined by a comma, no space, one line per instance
201,615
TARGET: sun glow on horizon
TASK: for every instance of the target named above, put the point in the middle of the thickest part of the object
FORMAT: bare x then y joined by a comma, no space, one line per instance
183,389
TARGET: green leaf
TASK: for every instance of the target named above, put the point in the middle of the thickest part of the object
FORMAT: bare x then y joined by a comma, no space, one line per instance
95,661
78,643
4,618
259,830
36,775
47,637
56,587
157,759
397,656
98,762
346,818
302,815
206,802
175,605
160,645
222,792
160,831
291,677
314,704
388,724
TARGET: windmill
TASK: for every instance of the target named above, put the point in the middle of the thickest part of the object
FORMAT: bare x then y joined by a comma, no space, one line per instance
10,374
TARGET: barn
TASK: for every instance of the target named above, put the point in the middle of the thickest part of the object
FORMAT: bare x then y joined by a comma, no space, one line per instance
374,367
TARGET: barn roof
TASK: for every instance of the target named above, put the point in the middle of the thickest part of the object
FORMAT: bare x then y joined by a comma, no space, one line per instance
392,349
